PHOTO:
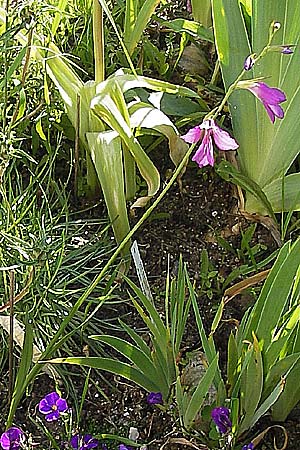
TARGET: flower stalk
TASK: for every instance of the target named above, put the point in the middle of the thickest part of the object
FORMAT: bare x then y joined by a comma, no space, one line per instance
98,37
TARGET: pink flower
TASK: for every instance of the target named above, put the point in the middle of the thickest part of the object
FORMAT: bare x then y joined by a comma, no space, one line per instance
208,132
269,96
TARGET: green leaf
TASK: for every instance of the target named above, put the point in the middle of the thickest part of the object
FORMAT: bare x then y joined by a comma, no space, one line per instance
201,11
106,153
290,396
284,195
24,367
62,4
190,27
142,362
200,393
133,33
274,297
109,106
232,362
251,385
278,372
116,367
230,173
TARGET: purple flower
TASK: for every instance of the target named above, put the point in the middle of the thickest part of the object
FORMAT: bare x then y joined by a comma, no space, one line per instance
12,439
286,49
248,446
155,398
52,406
84,442
249,62
206,133
188,6
123,447
269,96
220,416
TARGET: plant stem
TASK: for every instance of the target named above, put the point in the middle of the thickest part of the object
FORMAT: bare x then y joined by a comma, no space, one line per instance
98,36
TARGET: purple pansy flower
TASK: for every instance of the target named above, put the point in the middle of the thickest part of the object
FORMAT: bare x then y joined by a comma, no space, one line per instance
269,96
220,416
206,133
84,442
52,406
155,398
12,439
123,447
248,446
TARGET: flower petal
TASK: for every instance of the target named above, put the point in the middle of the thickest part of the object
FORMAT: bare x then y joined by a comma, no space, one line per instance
267,94
62,405
204,156
75,441
223,140
52,398
154,398
53,415
193,135
44,406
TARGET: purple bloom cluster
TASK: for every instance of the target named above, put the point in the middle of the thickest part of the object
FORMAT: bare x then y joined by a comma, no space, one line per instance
85,442
155,398
220,416
12,439
248,446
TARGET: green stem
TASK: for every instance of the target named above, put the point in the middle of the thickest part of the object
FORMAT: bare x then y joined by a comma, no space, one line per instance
98,36
54,343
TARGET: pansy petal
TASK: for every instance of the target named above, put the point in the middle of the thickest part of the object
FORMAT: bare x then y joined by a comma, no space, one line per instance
62,405
44,406
75,441
223,140
53,415
193,135
52,398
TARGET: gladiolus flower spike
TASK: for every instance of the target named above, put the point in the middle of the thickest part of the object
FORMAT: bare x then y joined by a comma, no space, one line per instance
220,416
208,132
269,96
52,406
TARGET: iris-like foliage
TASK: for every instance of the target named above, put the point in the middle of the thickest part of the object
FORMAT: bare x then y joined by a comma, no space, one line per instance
220,416
269,96
155,398
12,439
52,406
87,441
208,132
267,148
